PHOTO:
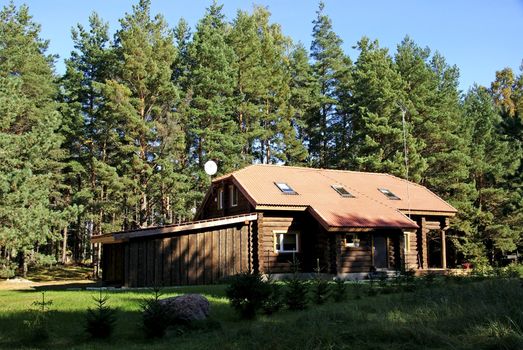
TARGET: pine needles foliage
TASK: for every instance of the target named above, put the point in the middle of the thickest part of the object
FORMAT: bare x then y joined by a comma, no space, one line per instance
101,319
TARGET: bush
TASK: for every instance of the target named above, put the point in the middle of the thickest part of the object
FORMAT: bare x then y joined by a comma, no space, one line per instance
7,268
296,293
320,286
320,291
155,319
274,301
247,293
39,259
339,290
100,320
38,326
296,289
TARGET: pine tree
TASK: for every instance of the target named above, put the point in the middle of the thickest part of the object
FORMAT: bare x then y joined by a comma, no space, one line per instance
90,135
492,165
377,132
330,68
30,156
143,97
212,129
299,103
263,89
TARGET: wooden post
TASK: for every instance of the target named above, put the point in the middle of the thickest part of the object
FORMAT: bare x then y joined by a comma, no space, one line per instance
424,244
443,250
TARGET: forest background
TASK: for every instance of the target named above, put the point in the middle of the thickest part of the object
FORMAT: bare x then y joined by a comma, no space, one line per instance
119,140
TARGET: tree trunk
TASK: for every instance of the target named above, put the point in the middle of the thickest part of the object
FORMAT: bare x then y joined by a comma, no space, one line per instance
143,210
64,246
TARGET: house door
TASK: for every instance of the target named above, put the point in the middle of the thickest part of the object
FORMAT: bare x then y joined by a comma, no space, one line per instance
380,252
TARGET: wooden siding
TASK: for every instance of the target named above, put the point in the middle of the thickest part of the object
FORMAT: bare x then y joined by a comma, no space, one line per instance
354,259
411,259
210,207
198,257
113,267
313,242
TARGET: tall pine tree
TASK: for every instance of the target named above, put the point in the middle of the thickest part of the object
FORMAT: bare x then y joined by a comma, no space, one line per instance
30,156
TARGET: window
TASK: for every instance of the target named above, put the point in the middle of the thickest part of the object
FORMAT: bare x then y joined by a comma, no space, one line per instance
389,194
286,189
220,198
352,240
342,191
233,195
286,242
407,242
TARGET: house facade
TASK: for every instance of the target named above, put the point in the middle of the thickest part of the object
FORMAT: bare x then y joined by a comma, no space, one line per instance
263,217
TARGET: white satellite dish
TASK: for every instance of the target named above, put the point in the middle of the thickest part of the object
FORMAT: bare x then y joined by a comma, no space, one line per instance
210,167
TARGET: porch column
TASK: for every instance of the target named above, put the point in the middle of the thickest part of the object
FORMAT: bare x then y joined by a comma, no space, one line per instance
443,250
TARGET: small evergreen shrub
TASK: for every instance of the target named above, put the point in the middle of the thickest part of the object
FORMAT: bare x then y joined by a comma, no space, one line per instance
274,301
101,319
247,293
38,326
296,289
320,287
155,319
339,290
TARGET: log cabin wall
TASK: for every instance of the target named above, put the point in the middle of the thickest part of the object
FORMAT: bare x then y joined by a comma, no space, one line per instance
313,242
195,257
210,209
412,260
354,259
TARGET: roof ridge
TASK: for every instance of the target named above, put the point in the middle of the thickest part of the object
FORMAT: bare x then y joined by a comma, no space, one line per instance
318,169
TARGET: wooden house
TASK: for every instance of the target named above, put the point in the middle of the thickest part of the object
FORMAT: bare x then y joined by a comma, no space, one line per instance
261,217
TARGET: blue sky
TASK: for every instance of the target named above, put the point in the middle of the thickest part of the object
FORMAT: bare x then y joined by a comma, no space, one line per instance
479,36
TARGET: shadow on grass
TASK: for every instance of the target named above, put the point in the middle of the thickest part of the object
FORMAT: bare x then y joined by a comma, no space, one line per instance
481,315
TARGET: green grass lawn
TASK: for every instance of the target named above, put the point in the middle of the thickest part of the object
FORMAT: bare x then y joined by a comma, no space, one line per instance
450,314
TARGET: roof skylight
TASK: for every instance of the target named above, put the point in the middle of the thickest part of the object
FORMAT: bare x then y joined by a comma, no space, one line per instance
285,188
389,194
342,191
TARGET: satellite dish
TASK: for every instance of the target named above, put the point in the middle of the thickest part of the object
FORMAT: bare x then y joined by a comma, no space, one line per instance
210,167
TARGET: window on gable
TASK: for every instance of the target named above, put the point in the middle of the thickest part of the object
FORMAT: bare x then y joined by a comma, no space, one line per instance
342,191
220,199
233,196
286,241
286,189
389,194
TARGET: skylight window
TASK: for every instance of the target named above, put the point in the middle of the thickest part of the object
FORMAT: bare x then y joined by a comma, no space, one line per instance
286,189
342,191
389,194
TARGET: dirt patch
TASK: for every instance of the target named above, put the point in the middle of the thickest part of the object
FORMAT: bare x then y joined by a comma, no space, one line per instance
24,284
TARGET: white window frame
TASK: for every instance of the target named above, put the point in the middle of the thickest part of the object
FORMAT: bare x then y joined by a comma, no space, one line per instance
278,236
233,196
407,242
220,199
356,241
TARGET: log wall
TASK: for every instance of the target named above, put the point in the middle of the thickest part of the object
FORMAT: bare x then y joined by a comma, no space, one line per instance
411,259
313,243
196,257
354,259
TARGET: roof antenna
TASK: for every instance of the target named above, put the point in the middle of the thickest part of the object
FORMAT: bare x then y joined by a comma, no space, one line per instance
405,150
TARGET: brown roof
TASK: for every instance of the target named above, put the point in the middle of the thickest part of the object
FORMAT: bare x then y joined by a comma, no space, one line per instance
368,209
